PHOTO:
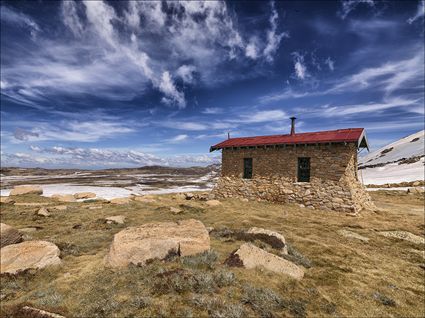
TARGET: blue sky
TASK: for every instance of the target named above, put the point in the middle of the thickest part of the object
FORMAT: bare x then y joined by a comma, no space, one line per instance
119,84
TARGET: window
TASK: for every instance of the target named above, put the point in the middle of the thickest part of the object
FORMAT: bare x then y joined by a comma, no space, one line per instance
247,168
303,169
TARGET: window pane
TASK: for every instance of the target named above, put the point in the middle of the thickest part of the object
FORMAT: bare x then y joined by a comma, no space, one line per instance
303,169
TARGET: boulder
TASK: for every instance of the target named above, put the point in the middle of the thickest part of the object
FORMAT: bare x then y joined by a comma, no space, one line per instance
63,197
213,203
175,210
250,256
9,235
20,190
137,245
117,219
189,196
120,201
6,200
274,239
84,195
28,255
43,212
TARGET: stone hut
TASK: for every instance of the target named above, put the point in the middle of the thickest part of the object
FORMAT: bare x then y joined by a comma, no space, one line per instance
314,169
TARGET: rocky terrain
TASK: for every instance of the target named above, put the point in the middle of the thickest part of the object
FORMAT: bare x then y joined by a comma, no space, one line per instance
191,255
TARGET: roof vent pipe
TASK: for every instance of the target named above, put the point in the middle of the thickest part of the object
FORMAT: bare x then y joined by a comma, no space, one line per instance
293,125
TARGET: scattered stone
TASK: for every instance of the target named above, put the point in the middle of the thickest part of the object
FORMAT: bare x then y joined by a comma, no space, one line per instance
63,197
28,311
383,299
84,195
274,239
28,229
416,190
28,255
189,196
213,203
175,210
59,207
120,201
31,203
94,207
354,235
117,219
6,200
244,200
179,196
137,245
210,229
403,235
43,212
9,235
250,256
144,198
20,190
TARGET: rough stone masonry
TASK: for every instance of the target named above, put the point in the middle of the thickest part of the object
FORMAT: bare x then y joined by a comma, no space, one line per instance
333,176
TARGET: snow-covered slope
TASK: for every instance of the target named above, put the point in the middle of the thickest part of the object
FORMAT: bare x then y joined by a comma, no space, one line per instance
401,161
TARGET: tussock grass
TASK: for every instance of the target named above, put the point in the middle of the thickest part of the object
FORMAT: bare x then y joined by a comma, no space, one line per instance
343,277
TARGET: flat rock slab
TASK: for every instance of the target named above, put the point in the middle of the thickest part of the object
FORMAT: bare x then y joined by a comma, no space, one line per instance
117,219
136,245
274,239
28,311
353,235
31,203
175,210
9,235
21,190
145,198
120,201
28,255
43,212
64,197
59,207
84,195
213,203
6,200
403,235
251,256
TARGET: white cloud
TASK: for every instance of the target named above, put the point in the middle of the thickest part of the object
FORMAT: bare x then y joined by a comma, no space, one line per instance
169,89
349,5
420,12
299,66
330,63
212,110
251,49
70,17
178,138
185,72
389,76
346,110
23,135
262,116
273,38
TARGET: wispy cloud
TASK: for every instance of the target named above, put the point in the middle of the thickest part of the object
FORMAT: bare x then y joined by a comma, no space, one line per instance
262,116
420,12
178,138
14,17
347,6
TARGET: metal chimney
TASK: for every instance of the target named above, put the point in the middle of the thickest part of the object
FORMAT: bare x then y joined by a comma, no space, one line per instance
293,125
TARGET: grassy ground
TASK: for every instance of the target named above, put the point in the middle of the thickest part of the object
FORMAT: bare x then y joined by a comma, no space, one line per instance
346,277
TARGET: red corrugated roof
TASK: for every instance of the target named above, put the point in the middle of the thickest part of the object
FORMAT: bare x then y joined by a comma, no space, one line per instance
340,135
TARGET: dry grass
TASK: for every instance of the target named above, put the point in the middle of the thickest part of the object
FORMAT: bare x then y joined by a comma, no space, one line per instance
347,277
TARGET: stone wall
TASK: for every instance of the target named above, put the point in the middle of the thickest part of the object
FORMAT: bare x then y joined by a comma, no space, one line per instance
333,177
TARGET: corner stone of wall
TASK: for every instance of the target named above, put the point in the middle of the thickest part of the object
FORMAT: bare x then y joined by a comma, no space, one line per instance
346,195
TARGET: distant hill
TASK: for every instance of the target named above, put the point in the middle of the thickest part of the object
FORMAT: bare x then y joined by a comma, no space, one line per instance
400,161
